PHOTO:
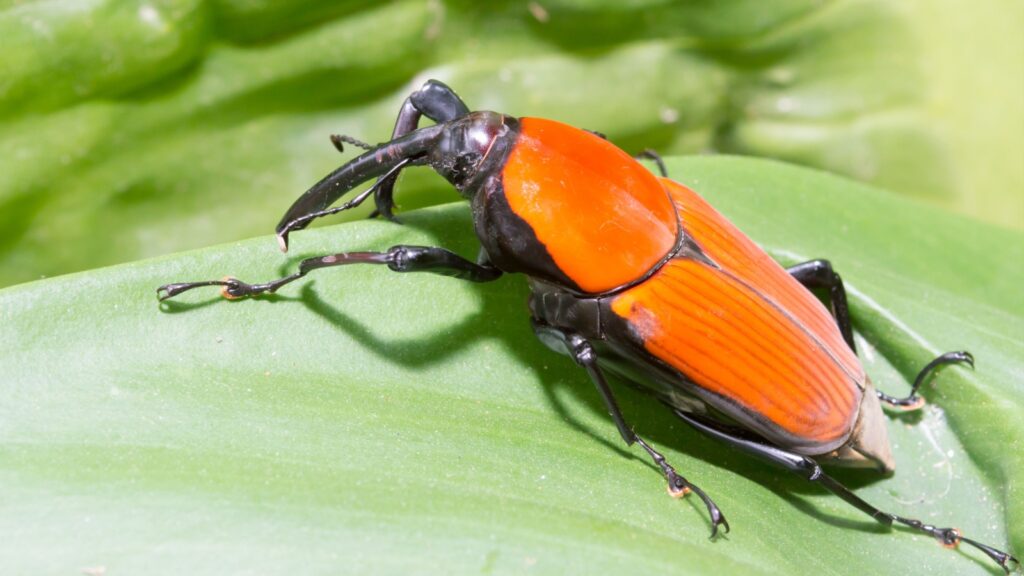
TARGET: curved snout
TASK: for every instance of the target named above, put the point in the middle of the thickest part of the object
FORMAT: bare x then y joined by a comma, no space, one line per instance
377,162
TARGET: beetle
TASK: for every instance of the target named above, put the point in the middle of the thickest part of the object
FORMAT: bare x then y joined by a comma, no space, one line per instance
637,275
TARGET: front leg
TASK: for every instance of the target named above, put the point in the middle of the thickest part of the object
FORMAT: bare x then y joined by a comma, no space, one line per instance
400,258
580,350
436,101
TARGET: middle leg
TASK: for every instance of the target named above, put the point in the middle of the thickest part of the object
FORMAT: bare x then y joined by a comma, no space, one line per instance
580,350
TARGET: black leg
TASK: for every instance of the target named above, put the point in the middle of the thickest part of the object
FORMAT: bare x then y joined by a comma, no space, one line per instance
649,154
436,101
819,274
912,401
398,259
580,350
809,469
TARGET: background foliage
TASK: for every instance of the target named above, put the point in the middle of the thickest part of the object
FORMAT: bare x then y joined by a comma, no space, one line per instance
132,128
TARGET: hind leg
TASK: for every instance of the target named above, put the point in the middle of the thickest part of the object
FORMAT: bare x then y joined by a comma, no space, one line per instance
819,274
810,470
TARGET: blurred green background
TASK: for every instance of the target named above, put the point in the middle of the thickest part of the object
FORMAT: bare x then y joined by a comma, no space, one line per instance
135,128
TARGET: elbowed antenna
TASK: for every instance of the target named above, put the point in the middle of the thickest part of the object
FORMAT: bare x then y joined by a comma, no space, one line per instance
409,149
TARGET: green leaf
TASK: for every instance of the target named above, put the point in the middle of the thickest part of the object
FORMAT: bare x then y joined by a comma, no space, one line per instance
368,422
972,45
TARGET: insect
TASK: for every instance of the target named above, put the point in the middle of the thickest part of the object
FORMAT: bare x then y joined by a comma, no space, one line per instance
635,274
